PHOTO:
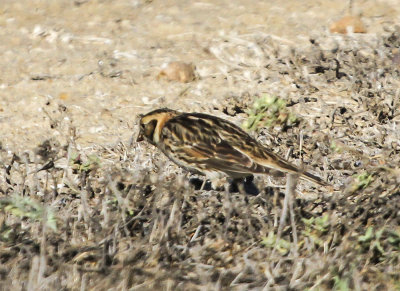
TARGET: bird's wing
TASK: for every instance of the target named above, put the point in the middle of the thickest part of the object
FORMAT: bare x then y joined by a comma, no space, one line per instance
223,157
198,142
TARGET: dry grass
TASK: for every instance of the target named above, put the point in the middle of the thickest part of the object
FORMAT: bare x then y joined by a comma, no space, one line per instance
127,219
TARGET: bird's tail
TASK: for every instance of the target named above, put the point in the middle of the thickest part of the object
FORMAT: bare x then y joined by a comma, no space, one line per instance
285,166
312,178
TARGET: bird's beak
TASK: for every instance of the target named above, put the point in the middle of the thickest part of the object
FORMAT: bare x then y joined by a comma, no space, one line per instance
140,137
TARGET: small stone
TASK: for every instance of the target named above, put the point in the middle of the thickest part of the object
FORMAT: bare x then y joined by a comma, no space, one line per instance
178,71
63,96
348,23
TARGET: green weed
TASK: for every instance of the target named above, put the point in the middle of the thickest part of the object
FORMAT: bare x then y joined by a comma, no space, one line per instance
269,111
26,207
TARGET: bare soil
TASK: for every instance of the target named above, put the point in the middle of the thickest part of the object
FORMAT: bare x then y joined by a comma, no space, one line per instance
85,207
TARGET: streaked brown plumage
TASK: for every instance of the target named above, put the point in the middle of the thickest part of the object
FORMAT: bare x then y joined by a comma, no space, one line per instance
211,146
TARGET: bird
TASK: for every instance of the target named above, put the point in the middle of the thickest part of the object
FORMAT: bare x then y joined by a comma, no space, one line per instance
212,146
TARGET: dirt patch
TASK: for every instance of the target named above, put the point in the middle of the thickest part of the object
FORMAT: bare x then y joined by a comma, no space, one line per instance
85,206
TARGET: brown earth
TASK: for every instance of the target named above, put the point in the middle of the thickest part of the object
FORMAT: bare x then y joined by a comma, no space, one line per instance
85,207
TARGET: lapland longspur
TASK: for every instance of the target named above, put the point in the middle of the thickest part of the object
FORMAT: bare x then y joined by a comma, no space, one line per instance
211,146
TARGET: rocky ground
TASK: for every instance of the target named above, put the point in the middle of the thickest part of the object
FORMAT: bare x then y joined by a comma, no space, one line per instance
83,206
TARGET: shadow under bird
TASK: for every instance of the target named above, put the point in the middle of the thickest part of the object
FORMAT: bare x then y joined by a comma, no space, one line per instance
213,147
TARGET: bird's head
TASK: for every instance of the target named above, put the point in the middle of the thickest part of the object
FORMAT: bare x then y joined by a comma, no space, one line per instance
152,123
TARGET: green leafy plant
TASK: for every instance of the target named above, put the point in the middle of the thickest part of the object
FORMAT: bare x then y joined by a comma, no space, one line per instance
341,284
316,227
282,246
394,238
361,181
26,207
268,111
7,232
91,163
371,240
